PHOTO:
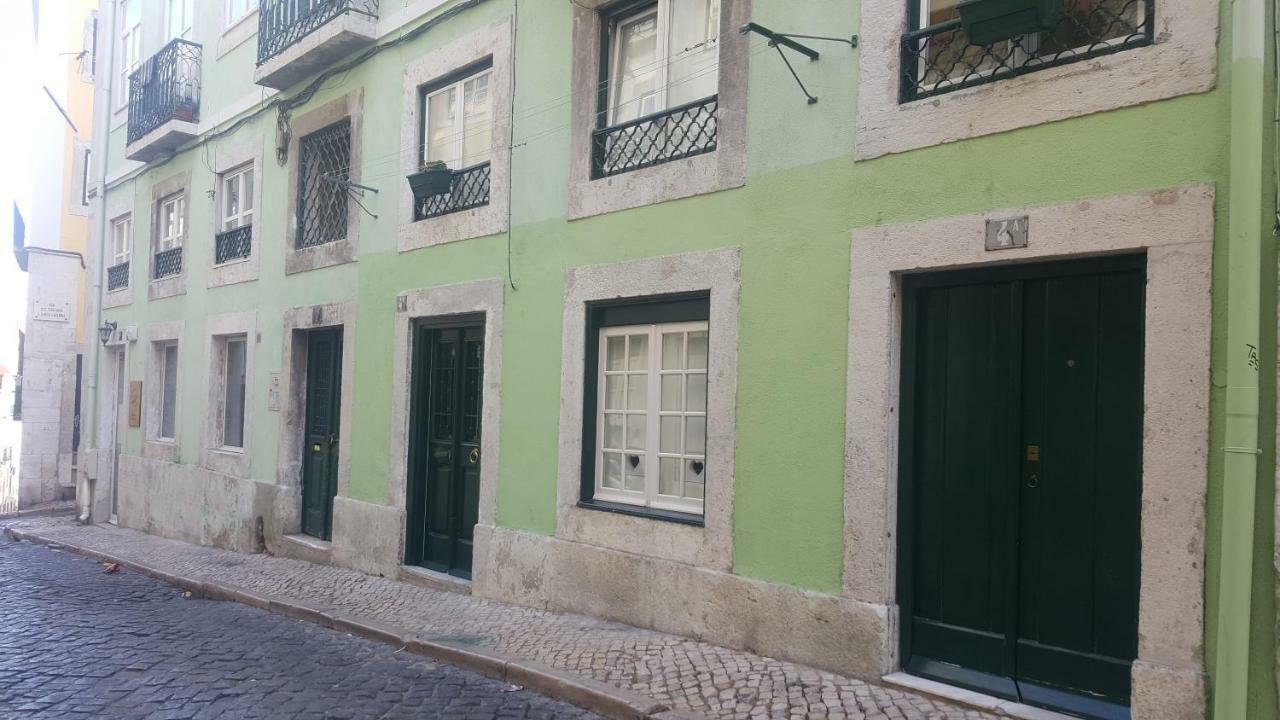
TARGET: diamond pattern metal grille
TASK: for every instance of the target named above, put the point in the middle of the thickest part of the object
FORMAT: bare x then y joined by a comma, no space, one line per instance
940,59
168,262
324,164
281,23
233,244
118,276
166,86
680,132
469,189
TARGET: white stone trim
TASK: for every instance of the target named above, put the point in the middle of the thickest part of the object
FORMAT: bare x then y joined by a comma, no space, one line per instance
293,393
1175,227
492,41
709,546
722,169
226,158
1182,60
153,446
482,296
341,251
213,455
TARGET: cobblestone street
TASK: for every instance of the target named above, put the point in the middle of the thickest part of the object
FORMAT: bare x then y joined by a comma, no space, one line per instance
78,642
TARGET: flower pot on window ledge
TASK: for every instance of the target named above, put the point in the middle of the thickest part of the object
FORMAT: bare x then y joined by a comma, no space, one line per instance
434,178
990,21
186,112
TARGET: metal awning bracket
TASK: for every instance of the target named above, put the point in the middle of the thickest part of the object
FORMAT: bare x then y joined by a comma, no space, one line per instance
787,40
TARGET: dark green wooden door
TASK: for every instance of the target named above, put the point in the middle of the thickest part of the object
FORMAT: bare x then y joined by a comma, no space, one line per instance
1021,477
320,434
443,496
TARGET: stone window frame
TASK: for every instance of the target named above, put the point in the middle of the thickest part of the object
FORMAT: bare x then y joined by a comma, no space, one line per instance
489,42
709,545
232,157
1182,60
342,251
721,169
161,191
213,454
1175,228
293,386
119,205
160,335
81,183
412,306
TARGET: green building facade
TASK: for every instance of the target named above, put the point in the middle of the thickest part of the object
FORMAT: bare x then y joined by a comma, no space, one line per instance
918,357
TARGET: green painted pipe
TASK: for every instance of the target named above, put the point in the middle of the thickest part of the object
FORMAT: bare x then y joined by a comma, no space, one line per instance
1249,123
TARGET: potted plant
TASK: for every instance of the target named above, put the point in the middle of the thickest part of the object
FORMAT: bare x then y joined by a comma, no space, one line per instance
432,178
990,21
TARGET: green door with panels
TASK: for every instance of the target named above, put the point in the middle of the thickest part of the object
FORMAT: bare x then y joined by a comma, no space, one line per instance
1021,463
443,495
320,434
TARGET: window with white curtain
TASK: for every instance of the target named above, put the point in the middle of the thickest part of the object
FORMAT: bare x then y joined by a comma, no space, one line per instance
237,198
457,121
662,55
121,230
130,45
171,222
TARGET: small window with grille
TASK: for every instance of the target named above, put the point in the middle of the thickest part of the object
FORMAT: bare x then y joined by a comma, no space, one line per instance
658,99
937,56
121,243
646,414
324,166
235,208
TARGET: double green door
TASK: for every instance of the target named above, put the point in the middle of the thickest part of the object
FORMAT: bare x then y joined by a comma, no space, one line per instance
443,494
1021,451
320,433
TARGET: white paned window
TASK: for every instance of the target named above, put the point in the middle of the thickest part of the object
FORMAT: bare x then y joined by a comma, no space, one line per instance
237,9
84,177
233,383
121,230
237,198
458,122
171,223
130,45
168,391
178,15
662,56
651,416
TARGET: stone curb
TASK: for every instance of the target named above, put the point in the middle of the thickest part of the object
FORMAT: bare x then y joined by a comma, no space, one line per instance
602,698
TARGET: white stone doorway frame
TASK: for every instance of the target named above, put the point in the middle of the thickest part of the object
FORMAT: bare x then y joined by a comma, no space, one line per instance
1175,229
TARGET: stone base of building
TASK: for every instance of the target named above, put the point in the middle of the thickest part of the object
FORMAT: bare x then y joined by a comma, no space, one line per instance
192,504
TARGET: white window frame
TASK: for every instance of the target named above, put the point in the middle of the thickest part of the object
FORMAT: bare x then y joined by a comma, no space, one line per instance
224,348
187,7
84,177
245,216
130,50
653,413
167,242
662,11
162,348
460,120
121,242
232,17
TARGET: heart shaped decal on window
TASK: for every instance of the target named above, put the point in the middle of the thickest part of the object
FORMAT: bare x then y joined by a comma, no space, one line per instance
634,460
697,467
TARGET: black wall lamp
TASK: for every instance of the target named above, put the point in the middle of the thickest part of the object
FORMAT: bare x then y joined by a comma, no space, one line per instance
106,331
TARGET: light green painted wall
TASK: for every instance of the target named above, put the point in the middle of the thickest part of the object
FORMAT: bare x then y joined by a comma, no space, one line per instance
792,221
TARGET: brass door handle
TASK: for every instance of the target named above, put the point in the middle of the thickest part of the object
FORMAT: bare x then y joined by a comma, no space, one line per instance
474,457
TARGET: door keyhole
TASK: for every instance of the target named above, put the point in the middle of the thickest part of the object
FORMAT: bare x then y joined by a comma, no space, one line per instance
1033,481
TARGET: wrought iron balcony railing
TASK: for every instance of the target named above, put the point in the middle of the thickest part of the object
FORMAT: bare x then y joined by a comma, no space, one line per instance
234,244
940,59
167,263
679,132
166,86
469,189
282,23
118,276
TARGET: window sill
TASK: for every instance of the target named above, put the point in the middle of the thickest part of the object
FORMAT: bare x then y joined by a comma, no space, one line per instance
681,518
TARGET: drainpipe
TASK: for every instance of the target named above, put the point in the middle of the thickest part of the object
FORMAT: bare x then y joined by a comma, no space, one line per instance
103,77
1249,123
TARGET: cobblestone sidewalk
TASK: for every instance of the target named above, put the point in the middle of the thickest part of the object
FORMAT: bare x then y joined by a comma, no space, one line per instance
680,673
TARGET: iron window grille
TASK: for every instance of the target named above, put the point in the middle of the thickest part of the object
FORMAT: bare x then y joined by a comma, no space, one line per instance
166,86
118,276
168,263
324,167
679,132
234,244
282,23
940,59
468,189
